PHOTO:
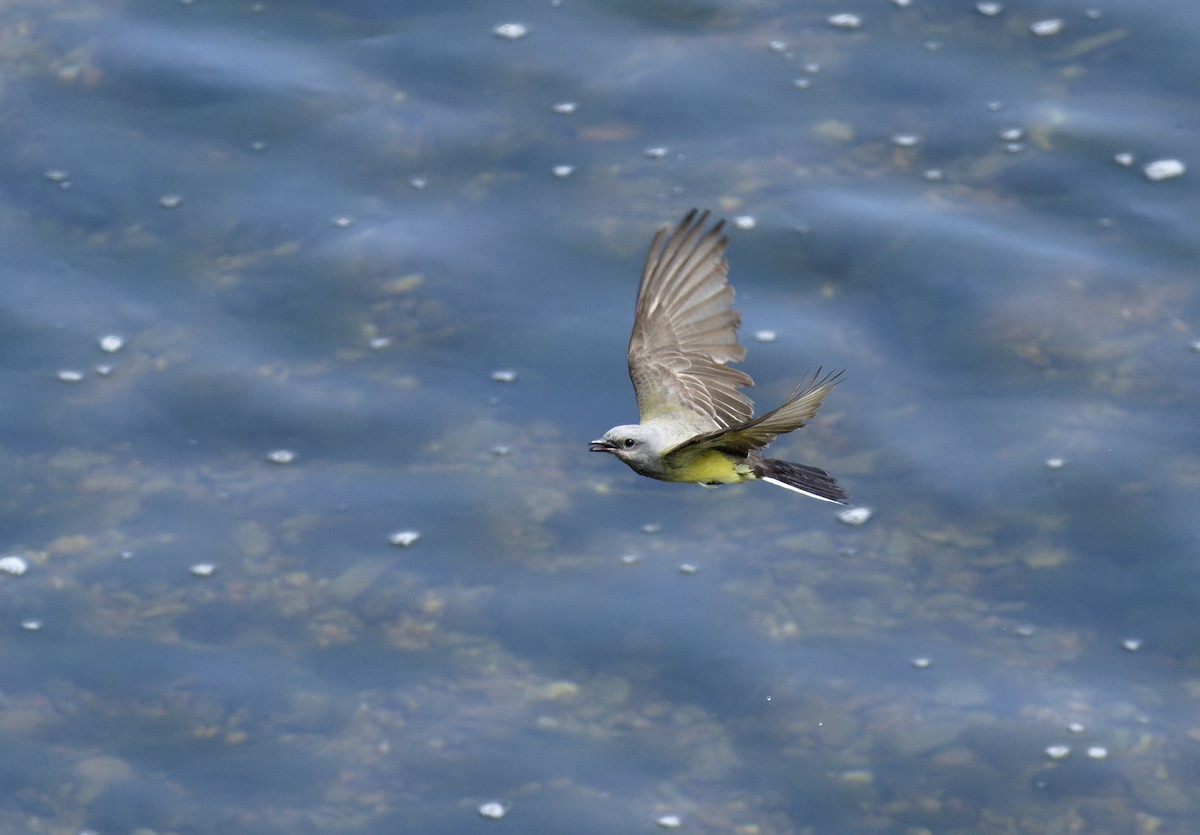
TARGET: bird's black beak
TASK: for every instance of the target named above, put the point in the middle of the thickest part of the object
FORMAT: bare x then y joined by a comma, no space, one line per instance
601,445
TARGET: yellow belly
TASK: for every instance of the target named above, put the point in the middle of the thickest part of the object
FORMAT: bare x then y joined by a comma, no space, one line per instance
709,467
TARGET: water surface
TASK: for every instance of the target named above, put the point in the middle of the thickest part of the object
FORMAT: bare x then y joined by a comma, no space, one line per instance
322,228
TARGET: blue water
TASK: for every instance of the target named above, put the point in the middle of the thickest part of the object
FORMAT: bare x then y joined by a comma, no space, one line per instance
323,227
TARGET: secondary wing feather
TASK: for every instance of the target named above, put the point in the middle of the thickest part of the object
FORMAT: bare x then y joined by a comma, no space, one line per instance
685,331
755,434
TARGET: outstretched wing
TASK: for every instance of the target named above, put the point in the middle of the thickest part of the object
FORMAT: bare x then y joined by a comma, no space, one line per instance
685,330
755,434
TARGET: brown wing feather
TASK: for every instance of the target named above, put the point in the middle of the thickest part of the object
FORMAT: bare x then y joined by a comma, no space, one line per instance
757,433
685,330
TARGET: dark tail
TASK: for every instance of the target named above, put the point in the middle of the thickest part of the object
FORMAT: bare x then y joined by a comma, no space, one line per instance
807,480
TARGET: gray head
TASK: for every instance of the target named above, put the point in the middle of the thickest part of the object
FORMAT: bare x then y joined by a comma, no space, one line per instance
637,445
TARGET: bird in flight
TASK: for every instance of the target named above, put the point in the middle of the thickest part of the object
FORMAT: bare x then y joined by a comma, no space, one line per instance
695,425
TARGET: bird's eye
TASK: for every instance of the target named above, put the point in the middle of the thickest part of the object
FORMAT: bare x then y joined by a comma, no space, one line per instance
629,443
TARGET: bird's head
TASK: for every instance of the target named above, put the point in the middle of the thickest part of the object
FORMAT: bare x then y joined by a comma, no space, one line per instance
638,446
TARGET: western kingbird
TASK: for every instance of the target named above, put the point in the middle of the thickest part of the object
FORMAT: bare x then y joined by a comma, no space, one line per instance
695,424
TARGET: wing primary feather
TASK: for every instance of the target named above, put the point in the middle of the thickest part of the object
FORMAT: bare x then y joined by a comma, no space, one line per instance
685,330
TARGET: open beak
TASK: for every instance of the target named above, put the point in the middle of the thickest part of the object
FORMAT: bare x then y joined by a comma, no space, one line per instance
601,445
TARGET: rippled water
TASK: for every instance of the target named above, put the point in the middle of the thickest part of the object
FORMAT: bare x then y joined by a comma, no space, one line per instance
323,227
